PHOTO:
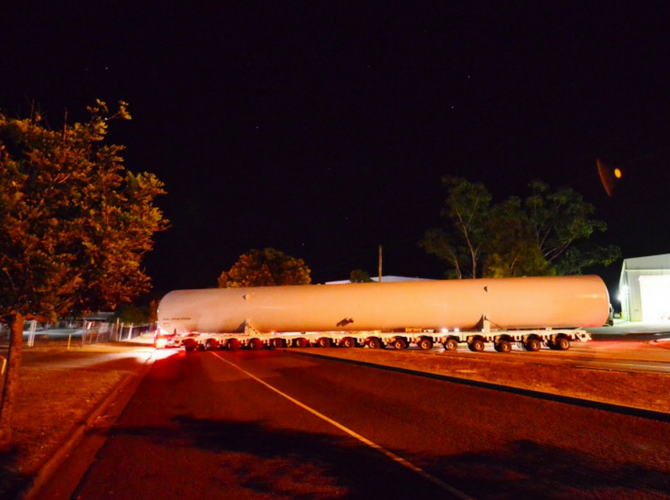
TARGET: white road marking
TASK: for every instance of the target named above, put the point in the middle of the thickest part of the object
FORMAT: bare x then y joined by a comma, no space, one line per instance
454,491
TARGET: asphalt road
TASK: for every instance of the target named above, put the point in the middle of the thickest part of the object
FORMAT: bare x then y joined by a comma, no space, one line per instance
272,424
629,355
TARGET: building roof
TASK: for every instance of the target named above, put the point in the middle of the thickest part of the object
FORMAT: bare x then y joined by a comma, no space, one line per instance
385,279
651,262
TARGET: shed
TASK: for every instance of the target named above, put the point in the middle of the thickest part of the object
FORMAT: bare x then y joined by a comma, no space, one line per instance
644,288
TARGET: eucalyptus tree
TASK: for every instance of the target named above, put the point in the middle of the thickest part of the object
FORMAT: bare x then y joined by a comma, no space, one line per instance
546,233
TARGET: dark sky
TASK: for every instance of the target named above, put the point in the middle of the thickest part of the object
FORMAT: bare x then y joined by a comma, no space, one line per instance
325,131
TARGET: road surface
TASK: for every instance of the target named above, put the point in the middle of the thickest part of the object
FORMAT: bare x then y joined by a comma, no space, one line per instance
273,425
620,355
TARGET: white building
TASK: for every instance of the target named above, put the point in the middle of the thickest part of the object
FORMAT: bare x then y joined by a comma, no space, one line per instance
385,279
644,289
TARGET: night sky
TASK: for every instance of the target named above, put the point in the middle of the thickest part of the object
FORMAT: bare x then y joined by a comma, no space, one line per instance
324,131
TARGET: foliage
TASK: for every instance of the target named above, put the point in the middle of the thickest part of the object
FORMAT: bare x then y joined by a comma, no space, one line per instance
545,234
467,208
74,224
560,219
360,276
132,314
508,251
268,267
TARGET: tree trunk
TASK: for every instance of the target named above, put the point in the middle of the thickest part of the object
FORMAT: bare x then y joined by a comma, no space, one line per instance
10,391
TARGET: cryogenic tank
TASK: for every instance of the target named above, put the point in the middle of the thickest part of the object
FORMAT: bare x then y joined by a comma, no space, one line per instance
508,303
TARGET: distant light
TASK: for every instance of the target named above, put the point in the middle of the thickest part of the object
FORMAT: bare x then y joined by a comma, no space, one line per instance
445,330
457,330
617,173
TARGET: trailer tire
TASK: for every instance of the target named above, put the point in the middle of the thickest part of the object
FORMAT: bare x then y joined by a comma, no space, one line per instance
348,342
476,345
324,342
373,343
256,344
503,346
278,343
233,344
562,343
532,344
425,343
450,344
399,343
300,342
211,345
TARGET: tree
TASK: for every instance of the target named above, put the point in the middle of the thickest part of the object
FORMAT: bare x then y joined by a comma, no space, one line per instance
509,250
560,223
132,314
544,235
360,276
461,242
74,225
267,267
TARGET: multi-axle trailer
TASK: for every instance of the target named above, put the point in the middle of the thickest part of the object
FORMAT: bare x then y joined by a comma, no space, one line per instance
529,340
531,311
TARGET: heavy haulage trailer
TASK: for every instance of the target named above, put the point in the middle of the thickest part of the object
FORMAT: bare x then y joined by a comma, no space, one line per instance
531,311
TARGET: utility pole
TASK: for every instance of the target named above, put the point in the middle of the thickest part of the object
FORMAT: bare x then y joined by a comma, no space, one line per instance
380,263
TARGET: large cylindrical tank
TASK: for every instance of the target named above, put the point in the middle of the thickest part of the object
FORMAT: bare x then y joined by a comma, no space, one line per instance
509,303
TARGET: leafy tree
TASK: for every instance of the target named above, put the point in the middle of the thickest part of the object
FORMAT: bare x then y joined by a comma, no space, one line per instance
585,255
74,225
153,310
130,313
560,222
360,276
267,267
509,249
467,208
544,235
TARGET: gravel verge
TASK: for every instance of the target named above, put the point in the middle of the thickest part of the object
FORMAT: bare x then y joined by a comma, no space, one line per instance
59,389
646,391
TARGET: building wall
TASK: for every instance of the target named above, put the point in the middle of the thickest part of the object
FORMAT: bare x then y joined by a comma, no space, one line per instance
631,293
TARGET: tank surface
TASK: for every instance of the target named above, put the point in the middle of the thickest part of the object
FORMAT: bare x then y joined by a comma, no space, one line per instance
508,303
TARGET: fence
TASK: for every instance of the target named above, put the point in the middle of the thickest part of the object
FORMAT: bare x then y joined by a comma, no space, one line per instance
75,332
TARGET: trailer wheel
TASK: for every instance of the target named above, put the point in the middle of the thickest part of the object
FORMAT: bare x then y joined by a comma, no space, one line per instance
562,343
300,342
190,344
211,344
233,344
399,343
425,343
348,342
278,343
373,343
476,345
324,342
255,344
502,346
532,344
450,344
